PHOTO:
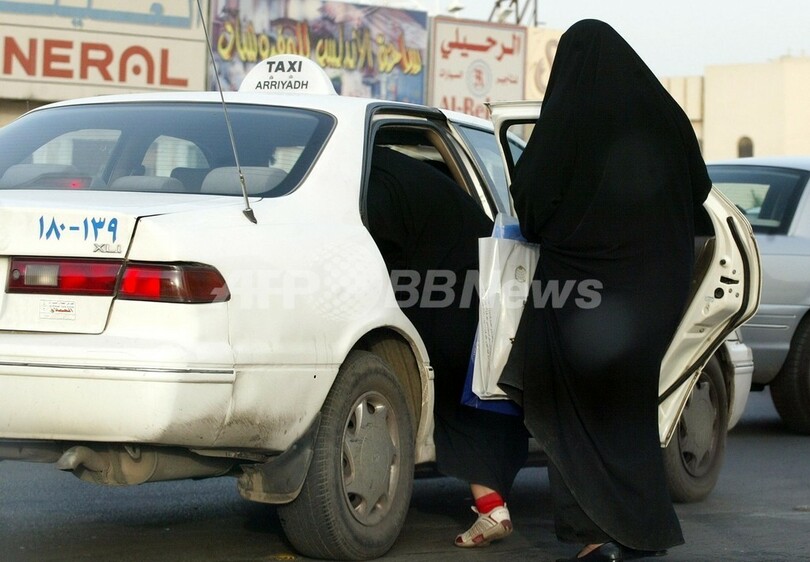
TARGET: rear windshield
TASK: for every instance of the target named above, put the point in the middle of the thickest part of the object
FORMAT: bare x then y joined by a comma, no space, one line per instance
162,147
767,195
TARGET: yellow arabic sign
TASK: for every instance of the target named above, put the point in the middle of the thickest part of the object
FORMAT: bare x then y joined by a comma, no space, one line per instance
352,51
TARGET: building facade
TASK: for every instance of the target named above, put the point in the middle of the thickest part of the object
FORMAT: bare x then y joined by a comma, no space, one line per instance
757,109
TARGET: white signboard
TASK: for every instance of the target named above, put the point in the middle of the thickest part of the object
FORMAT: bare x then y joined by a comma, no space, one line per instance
61,49
475,62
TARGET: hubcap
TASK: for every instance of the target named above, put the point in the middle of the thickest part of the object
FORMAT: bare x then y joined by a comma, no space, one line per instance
698,430
371,459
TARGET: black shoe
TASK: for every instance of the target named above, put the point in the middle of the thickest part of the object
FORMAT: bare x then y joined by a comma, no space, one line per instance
608,552
633,554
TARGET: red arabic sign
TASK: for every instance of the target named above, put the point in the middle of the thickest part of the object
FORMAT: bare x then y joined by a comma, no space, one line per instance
59,50
475,62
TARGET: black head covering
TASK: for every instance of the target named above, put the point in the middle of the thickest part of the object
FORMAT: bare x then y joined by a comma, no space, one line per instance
604,109
608,184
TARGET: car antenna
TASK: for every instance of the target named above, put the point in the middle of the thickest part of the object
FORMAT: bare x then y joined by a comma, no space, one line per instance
248,212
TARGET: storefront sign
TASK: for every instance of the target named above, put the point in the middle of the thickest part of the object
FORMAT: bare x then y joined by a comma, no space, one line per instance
59,50
475,62
542,46
367,51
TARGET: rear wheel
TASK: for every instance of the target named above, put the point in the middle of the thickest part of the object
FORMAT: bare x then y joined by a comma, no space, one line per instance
790,391
694,456
357,491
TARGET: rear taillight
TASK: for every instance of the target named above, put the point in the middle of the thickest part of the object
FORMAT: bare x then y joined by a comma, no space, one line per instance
180,283
188,283
63,277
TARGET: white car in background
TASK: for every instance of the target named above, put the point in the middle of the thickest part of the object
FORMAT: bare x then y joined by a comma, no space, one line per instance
169,311
774,195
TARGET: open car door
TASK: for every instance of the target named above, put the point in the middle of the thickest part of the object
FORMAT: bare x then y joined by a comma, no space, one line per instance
725,287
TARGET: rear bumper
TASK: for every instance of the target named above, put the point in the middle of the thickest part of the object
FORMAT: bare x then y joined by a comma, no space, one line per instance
190,394
114,404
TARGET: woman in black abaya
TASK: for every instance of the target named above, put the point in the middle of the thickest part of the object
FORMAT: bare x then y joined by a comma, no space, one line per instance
608,185
425,225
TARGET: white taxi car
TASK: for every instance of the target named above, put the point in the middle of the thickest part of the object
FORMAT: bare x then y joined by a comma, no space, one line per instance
175,305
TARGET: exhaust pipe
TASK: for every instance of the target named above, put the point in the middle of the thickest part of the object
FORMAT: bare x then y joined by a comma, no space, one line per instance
127,465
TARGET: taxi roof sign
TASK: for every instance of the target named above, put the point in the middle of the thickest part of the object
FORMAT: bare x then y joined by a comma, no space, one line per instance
288,74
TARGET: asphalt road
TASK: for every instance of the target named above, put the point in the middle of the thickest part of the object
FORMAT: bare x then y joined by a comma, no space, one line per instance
759,511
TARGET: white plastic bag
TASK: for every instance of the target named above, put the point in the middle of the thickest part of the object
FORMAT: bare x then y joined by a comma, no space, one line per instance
506,269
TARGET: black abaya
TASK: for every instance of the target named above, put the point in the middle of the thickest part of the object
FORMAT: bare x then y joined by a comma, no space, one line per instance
608,185
424,224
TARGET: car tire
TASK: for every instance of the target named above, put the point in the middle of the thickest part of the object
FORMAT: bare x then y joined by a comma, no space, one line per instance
358,488
790,390
694,456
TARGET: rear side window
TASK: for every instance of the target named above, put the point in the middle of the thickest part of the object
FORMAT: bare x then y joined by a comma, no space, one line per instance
767,195
155,147
487,153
